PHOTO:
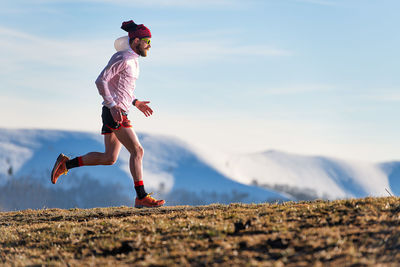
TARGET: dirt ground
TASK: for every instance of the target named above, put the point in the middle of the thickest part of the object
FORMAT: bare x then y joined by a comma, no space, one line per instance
356,232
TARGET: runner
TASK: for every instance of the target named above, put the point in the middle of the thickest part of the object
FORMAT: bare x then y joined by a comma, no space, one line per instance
116,84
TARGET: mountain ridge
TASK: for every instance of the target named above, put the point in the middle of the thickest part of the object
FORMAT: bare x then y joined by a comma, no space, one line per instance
171,169
180,172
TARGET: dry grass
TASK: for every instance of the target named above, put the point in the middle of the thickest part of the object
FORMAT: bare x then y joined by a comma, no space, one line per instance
359,232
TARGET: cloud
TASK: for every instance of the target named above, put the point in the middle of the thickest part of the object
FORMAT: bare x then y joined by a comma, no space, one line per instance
17,48
153,3
383,95
394,97
45,61
319,2
178,53
296,89
43,75
27,9
171,3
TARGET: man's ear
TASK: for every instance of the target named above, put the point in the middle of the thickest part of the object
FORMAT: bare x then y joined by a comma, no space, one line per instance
134,41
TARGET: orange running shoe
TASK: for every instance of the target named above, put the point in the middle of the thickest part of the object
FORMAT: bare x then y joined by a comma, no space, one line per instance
148,202
59,168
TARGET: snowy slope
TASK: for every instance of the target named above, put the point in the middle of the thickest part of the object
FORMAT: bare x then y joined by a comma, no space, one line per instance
32,153
392,170
171,169
176,171
320,177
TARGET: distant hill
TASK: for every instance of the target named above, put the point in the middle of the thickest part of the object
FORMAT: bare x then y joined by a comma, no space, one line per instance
392,170
308,177
176,171
171,169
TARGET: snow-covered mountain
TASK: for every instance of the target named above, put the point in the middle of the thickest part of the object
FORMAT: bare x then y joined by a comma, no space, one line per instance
177,172
392,170
308,177
171,169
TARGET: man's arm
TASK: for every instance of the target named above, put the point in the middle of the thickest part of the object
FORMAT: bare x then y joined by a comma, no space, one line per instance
112,69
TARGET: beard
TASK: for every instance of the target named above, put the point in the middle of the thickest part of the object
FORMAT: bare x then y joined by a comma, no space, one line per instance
141,51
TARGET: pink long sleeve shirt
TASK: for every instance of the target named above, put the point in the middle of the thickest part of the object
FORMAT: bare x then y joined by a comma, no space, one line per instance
117,81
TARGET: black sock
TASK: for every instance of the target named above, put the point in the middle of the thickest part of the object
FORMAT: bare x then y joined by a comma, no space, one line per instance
140,192
73,163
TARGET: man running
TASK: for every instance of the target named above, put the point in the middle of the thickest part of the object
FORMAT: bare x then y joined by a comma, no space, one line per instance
116,84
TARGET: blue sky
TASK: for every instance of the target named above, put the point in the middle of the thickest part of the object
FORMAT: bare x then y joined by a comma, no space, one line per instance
315,77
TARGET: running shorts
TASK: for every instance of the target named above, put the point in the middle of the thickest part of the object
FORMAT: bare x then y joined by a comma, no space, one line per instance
109,125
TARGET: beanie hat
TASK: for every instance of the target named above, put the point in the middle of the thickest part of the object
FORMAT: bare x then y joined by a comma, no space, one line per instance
134,30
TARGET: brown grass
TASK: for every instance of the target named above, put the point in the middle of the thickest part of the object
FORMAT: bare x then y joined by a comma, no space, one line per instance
359,232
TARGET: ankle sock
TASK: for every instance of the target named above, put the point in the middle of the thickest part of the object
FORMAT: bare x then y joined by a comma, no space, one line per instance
140,192
73,163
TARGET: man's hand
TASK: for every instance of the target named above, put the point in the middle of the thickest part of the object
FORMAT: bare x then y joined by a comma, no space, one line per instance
116,113
143,107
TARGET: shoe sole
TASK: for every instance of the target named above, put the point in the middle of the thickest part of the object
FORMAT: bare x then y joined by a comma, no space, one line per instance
141,206
56,166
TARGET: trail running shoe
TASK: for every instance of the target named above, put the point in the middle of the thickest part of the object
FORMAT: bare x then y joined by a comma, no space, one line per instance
59,168
148,202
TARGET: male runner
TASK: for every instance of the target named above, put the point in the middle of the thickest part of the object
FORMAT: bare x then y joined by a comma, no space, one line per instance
116,84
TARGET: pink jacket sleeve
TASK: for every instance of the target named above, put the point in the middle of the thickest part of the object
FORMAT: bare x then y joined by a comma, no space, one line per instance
113,67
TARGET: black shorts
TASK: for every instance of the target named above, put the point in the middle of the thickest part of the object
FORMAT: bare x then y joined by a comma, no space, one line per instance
109,125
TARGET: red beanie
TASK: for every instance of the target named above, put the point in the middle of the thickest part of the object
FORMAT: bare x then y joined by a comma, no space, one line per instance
134,30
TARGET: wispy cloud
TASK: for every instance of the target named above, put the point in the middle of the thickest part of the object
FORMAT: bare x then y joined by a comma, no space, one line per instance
205,51
319,2
295,89
154,3
172,3
17,49
36,68
384,96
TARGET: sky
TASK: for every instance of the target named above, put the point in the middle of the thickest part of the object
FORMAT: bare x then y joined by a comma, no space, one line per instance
311,77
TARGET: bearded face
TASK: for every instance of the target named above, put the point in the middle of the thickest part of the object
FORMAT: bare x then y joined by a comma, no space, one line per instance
141,47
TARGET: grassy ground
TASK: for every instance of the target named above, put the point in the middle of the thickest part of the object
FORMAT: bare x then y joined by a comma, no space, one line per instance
359,232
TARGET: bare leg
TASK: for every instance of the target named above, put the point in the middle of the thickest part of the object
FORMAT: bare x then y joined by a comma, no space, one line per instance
129,139
109,157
